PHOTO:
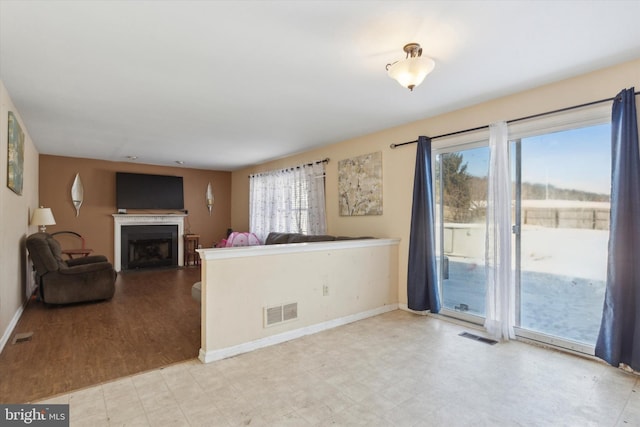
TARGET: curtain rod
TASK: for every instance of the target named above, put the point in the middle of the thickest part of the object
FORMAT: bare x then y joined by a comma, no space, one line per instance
317,162
519,119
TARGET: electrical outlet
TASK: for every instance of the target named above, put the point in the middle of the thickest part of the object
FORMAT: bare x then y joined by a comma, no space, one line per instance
325,290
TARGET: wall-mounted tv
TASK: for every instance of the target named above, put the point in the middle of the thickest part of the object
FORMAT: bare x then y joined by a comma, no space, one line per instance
144,191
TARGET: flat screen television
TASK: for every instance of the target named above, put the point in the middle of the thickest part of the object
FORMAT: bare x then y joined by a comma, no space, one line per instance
144,191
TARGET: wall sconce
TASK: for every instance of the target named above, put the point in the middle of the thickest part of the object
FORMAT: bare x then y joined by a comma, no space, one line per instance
410,72
77,193
209,197
42,217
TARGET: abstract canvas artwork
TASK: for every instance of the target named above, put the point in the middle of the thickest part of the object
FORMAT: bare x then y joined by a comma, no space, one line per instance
15,155
360,185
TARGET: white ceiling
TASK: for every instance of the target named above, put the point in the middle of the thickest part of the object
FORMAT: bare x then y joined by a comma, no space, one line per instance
226,84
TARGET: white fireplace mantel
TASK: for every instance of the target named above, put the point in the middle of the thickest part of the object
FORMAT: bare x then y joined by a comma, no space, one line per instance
146,219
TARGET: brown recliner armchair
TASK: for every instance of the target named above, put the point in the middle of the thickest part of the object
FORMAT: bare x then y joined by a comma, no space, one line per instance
89,278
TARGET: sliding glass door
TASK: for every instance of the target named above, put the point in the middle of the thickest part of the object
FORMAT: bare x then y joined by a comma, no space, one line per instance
561,183
564,188
461,181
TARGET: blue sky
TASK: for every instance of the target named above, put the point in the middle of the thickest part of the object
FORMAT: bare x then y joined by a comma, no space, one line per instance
575,159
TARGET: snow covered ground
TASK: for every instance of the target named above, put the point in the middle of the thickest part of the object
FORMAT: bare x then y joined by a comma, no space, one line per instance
562,282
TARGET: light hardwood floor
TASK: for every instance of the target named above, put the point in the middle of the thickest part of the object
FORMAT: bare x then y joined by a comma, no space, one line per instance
152,321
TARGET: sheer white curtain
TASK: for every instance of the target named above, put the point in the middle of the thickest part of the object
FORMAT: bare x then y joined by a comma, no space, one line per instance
288,201
316,214
500,297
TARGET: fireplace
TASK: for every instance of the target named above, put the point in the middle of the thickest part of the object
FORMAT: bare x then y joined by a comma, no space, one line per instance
149,246
147,228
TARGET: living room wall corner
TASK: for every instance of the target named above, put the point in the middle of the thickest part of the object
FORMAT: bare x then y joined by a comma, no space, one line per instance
15,209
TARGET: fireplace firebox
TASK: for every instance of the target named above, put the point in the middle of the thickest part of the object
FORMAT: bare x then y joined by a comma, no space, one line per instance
149,246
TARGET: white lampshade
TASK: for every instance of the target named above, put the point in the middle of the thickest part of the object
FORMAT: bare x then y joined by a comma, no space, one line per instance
411,72
43,217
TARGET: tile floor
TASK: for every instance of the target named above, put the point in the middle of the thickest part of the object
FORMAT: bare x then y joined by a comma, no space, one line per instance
397,369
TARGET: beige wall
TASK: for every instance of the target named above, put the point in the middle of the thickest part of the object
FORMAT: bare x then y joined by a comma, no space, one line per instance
398,164
16,281
95,222
238,283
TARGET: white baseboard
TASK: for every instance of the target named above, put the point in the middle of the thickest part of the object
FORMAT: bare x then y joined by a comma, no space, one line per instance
11,327
404,307
461,322
223,353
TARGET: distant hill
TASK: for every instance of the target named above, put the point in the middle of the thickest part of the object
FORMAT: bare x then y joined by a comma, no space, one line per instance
543,191
531,191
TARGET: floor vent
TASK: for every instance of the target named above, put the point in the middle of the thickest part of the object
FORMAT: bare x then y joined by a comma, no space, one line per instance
478,338
280,313
23,337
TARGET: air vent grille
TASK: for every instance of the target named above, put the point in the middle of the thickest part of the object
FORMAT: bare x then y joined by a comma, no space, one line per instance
289,311
280,313
274,315
478,338
22,337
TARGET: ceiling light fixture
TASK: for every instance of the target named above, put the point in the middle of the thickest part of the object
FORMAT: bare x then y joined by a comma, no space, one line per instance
412,70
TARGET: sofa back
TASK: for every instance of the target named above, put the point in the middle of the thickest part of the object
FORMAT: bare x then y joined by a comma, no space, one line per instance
45,252
280,238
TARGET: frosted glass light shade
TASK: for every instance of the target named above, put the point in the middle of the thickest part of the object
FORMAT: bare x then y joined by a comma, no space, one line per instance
43,217
411,72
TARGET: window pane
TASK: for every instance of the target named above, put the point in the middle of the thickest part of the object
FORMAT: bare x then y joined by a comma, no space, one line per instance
461,196
565,197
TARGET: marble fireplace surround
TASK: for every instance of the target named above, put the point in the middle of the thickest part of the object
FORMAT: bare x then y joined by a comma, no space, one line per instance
121,220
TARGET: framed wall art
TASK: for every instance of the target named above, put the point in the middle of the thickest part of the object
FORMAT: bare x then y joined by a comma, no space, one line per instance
15,155
360,185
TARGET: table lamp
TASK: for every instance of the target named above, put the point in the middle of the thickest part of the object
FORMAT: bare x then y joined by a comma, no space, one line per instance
42,217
